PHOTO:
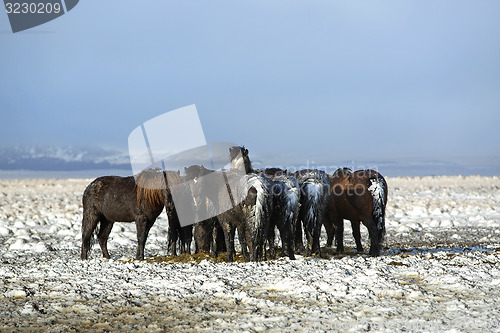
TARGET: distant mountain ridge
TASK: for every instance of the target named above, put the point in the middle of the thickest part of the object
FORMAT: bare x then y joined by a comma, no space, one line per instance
62,158
70,158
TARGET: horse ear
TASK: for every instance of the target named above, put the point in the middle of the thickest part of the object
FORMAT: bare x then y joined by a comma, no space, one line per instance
245,152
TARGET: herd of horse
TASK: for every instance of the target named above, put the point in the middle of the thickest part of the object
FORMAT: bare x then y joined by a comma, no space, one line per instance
296,204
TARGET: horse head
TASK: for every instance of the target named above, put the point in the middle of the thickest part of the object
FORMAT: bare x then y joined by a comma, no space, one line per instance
240,160
192,172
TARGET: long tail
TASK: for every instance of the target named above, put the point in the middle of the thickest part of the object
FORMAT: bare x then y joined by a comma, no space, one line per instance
90,221
257,224
378,189
312,205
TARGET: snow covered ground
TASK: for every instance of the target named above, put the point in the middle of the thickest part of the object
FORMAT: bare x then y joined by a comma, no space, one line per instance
440,270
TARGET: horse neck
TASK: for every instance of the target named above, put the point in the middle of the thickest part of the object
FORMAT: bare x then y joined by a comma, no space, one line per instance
242,165
150,188
152,197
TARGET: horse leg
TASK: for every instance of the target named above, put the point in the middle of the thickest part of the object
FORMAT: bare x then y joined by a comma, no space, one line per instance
330,230
214,238
172,237
89,223
182,240
357,235
373,231
287,239
218,239
289,246
142,225
202,236
174,230
214,242
187,235
309,239
221,241
270,239
290,242
229,237
102,236
242,236
316,248
196,247
339,234
299,243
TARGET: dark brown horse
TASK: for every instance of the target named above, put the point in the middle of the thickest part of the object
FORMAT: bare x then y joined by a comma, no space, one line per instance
360,197
177,235
112,199
208,234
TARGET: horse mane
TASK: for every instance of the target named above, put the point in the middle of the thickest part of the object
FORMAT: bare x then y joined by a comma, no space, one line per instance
151,183
235,151
342,173
367,173
274,172
312,175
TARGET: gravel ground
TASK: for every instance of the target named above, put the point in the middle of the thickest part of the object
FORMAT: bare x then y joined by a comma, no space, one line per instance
440,270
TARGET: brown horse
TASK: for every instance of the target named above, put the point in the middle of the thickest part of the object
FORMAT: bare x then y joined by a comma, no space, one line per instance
359,196
112,199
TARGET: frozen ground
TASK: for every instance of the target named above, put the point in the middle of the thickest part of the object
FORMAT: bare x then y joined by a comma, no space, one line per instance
439,272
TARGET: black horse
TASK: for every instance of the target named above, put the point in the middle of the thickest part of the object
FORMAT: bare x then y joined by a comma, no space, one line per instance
112,199
314,197
285,213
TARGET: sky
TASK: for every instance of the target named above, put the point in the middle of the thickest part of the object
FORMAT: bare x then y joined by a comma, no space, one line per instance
290,80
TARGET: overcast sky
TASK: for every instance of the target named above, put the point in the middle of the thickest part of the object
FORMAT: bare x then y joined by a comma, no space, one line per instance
291,80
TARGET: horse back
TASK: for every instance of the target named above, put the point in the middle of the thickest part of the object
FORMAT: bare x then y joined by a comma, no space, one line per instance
115,198
367,177
351,197
359,191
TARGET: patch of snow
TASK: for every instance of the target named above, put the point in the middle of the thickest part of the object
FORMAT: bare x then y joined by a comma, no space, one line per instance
442,262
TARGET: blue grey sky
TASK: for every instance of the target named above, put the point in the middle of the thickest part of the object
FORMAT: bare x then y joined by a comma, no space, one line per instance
291,80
